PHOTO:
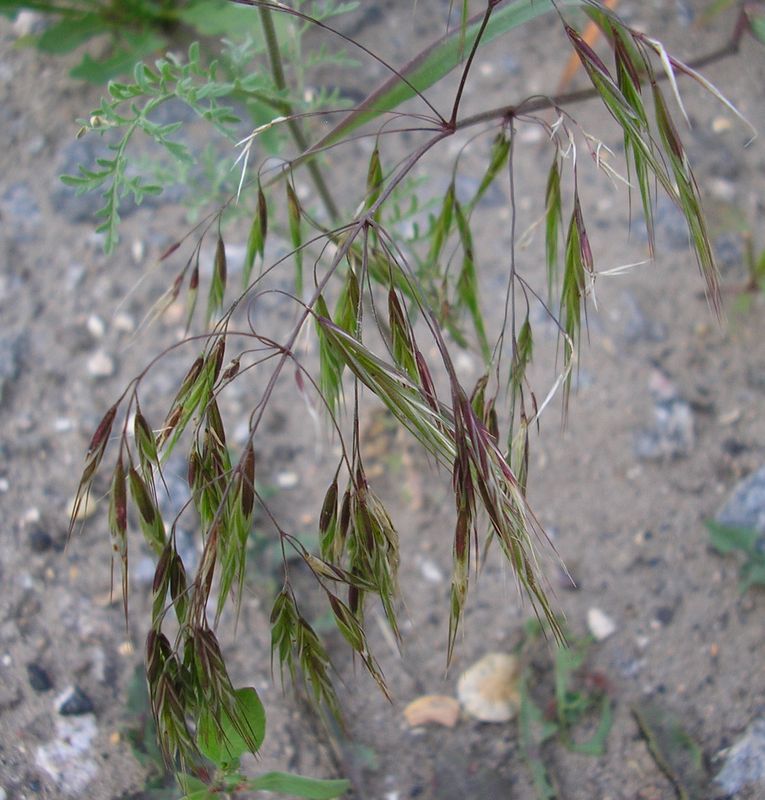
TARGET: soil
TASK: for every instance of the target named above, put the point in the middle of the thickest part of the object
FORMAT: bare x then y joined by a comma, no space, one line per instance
665,420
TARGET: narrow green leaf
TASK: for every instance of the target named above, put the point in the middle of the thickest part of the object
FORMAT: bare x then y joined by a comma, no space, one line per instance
70,32
437,61
298,786
727,538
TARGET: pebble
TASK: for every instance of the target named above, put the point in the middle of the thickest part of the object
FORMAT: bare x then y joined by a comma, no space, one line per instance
123,322
744,766
39,679
721,189
638,326
4,485
74,702
287,480
86,508
430,571
67,757
101,365
600,625
721,124
11,353
20,212
28,22
673,435
488,690
729,249
745,508
137,250
40,541
96,326
437,708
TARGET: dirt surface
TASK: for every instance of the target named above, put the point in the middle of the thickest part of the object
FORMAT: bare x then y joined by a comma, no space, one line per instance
667,418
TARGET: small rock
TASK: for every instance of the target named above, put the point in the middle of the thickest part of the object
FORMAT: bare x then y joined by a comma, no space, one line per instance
137,250
745,508
40,541
96,326
28,22
489,689
3,795
287,480
101,365
600,625
74,703
744,766
85,509
123,322
721,124
673,435
665,615
36,145
67,757
20,212
437,708
39,679
638,326
11,356
430,571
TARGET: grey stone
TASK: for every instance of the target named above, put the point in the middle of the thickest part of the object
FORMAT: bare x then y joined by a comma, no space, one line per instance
20,212
66,759
79,207
673,434
729,250
11,353
39,679
83,207
671,229
745,508
40,541
744,766
467,185
75,703
638,326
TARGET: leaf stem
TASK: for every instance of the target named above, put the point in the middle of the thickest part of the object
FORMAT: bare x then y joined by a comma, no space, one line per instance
277,71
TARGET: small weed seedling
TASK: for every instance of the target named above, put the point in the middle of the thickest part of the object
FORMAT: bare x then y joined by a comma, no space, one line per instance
726,539
561,706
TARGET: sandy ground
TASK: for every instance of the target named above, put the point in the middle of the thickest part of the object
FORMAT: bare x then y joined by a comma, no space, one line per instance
622,491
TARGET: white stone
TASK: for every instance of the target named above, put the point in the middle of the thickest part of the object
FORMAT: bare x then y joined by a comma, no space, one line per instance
489,689
26,22
600,624
430,571
124,323
101,365
137,250
65,758
96,327
287,480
